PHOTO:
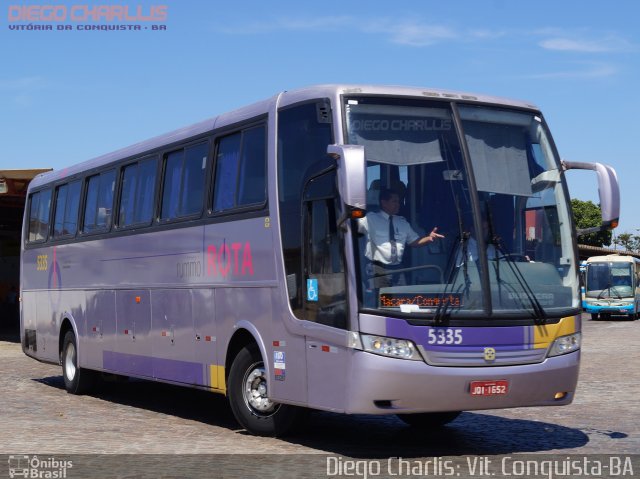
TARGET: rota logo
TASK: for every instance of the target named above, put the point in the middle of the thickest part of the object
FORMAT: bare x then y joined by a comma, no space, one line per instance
234,259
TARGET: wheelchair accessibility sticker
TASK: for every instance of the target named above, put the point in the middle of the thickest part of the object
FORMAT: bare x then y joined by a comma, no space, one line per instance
312,290
279,365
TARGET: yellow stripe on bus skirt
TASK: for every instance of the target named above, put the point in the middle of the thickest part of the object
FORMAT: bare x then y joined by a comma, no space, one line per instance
216,376
545,334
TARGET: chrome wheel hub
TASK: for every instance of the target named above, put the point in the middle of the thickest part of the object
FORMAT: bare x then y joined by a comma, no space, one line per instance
70,362
255,391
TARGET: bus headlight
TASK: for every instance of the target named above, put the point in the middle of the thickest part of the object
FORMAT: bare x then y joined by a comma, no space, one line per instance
565,344
391,347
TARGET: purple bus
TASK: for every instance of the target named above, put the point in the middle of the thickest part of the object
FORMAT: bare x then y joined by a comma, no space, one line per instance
255,255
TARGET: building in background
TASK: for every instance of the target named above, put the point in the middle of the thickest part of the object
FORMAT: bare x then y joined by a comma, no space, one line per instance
13,191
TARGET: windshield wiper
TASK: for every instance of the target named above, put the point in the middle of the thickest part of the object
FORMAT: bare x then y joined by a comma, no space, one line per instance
540,315
608,289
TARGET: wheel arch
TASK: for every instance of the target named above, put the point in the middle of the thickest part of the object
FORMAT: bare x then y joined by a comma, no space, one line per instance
68,324
244,335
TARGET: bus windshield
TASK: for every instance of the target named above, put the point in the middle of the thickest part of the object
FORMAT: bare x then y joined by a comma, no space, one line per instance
609,280
507,247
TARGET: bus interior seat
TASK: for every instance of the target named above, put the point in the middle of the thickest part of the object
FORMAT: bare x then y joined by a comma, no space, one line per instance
373,195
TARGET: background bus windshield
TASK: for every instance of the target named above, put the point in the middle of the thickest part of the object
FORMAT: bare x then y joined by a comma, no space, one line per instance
609,280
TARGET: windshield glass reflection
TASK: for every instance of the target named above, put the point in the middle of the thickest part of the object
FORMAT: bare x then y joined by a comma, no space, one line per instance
421,248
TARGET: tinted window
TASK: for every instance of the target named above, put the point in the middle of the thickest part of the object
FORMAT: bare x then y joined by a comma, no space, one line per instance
128,195
138,188
303,136
183,190
227,162
252,181
99,203
67,202
61,202
241,170
145,191
325,265
73,204
191,197
39,215
172,183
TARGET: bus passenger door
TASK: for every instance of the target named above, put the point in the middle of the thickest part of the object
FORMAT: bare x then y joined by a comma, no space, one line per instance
325,306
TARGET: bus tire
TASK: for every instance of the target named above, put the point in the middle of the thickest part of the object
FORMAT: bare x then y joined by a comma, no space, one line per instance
76,380
595,316
251,406
429,420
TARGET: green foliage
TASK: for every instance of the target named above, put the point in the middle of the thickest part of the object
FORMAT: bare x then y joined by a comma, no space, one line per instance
586,214
627,241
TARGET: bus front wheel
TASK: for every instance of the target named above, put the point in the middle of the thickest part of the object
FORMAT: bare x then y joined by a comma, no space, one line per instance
429,419
249,400
76,380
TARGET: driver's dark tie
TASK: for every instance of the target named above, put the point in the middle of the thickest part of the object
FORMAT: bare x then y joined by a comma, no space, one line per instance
392,239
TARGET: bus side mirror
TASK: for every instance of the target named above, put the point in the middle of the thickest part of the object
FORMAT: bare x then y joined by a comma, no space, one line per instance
608,191
351,174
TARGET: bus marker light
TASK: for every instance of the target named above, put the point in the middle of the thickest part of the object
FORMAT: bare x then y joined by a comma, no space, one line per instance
126,331
164,334
279,344
328,349
207,339
137,299
559,396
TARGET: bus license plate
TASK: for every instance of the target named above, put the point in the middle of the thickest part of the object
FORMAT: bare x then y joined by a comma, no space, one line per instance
489,388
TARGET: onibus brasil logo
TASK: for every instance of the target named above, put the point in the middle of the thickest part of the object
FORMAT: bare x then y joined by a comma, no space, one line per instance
34,467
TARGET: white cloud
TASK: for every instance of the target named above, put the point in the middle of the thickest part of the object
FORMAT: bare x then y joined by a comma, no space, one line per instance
581,45
287,24
21,84
414,34
408,32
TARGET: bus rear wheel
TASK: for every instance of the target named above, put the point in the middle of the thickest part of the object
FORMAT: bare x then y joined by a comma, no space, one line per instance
249,400
429,419
76,380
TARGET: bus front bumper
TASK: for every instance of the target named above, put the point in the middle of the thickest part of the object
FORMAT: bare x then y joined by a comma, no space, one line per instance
611,309
394,386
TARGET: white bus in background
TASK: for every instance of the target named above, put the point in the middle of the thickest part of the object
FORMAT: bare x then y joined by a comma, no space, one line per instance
612,286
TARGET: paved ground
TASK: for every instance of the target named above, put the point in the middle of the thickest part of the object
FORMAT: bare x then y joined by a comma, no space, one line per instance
38,416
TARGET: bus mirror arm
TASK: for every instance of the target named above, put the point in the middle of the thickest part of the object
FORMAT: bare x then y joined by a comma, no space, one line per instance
351,174
608,191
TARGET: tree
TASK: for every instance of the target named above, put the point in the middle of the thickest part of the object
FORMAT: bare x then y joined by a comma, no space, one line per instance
586,214
628,241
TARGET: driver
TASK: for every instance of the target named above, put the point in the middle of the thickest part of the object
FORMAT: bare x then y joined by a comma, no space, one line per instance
387,235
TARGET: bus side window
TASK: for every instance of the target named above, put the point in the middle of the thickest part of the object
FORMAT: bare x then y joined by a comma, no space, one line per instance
66,209
61,205
99,202
40,205
324,264
240,178
138,192
303,136
184,177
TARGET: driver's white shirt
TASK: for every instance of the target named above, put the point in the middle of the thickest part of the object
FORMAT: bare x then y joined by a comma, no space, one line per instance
376,226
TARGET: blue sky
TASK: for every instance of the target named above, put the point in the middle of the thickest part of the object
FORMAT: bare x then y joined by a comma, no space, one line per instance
67,96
